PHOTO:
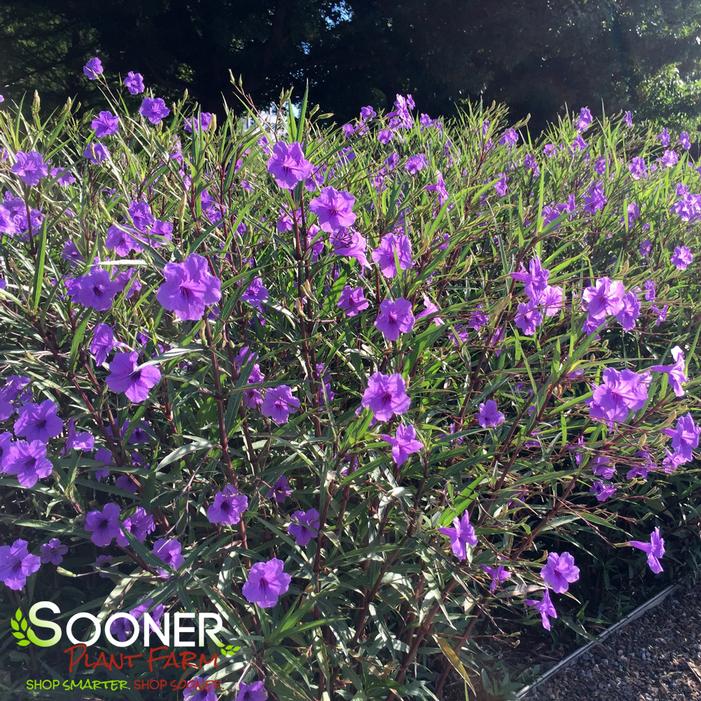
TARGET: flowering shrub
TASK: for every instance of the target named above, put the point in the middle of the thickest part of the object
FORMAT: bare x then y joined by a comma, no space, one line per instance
358,390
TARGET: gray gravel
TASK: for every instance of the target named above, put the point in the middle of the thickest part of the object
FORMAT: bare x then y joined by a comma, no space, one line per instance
655,658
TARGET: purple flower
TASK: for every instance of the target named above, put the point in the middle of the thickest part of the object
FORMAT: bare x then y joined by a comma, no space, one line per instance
392,245
489,415
304,526
140,524
603,298
682,257
228,506
531,163
645,248
71,253
38,422
154,109
461,535
96,152
602,467
201,122
552,300
430,309
132,379
78,440
688,206
95,290
105,124
199,689
650,290
509,138
628,118
684,140
189,288
535,280
16,564
352,300
134,83
30,167
280,490
252,398
404,443
584,120
669,159
663,137
415,164
10,392
367,112
628,316
14,219
28,461
52,552
104,525
632,213
93,68
654,550
528,318
685,437
501,186
618,395
595,199
63,177
439,188
386,396
266,583
675,372
498,574
643,468
141,215
103,343
256,294
334,209
559,572
288,166
120,241
350,243
545,608
660,312
169,551
602,490
279,403
255,691
637,168
395,318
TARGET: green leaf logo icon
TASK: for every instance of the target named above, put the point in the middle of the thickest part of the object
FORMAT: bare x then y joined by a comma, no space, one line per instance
20,627
23,633
228,650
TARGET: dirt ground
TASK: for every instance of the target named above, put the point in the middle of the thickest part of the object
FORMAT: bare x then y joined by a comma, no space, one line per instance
654,658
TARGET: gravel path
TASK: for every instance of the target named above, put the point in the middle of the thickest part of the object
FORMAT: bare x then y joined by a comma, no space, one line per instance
654,658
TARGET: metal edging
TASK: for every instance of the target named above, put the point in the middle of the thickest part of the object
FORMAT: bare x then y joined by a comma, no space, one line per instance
642,609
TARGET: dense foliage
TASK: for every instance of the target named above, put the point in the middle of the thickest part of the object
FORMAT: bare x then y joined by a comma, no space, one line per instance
533,55
374,394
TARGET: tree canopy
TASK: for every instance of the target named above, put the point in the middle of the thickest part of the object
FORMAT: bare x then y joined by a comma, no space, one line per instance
534,55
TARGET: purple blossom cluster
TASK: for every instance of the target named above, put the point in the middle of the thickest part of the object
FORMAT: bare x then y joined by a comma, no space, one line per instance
316,375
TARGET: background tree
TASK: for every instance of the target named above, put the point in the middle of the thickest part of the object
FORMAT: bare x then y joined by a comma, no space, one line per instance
535,55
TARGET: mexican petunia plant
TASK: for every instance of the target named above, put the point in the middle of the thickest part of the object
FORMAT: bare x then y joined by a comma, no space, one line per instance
372,393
